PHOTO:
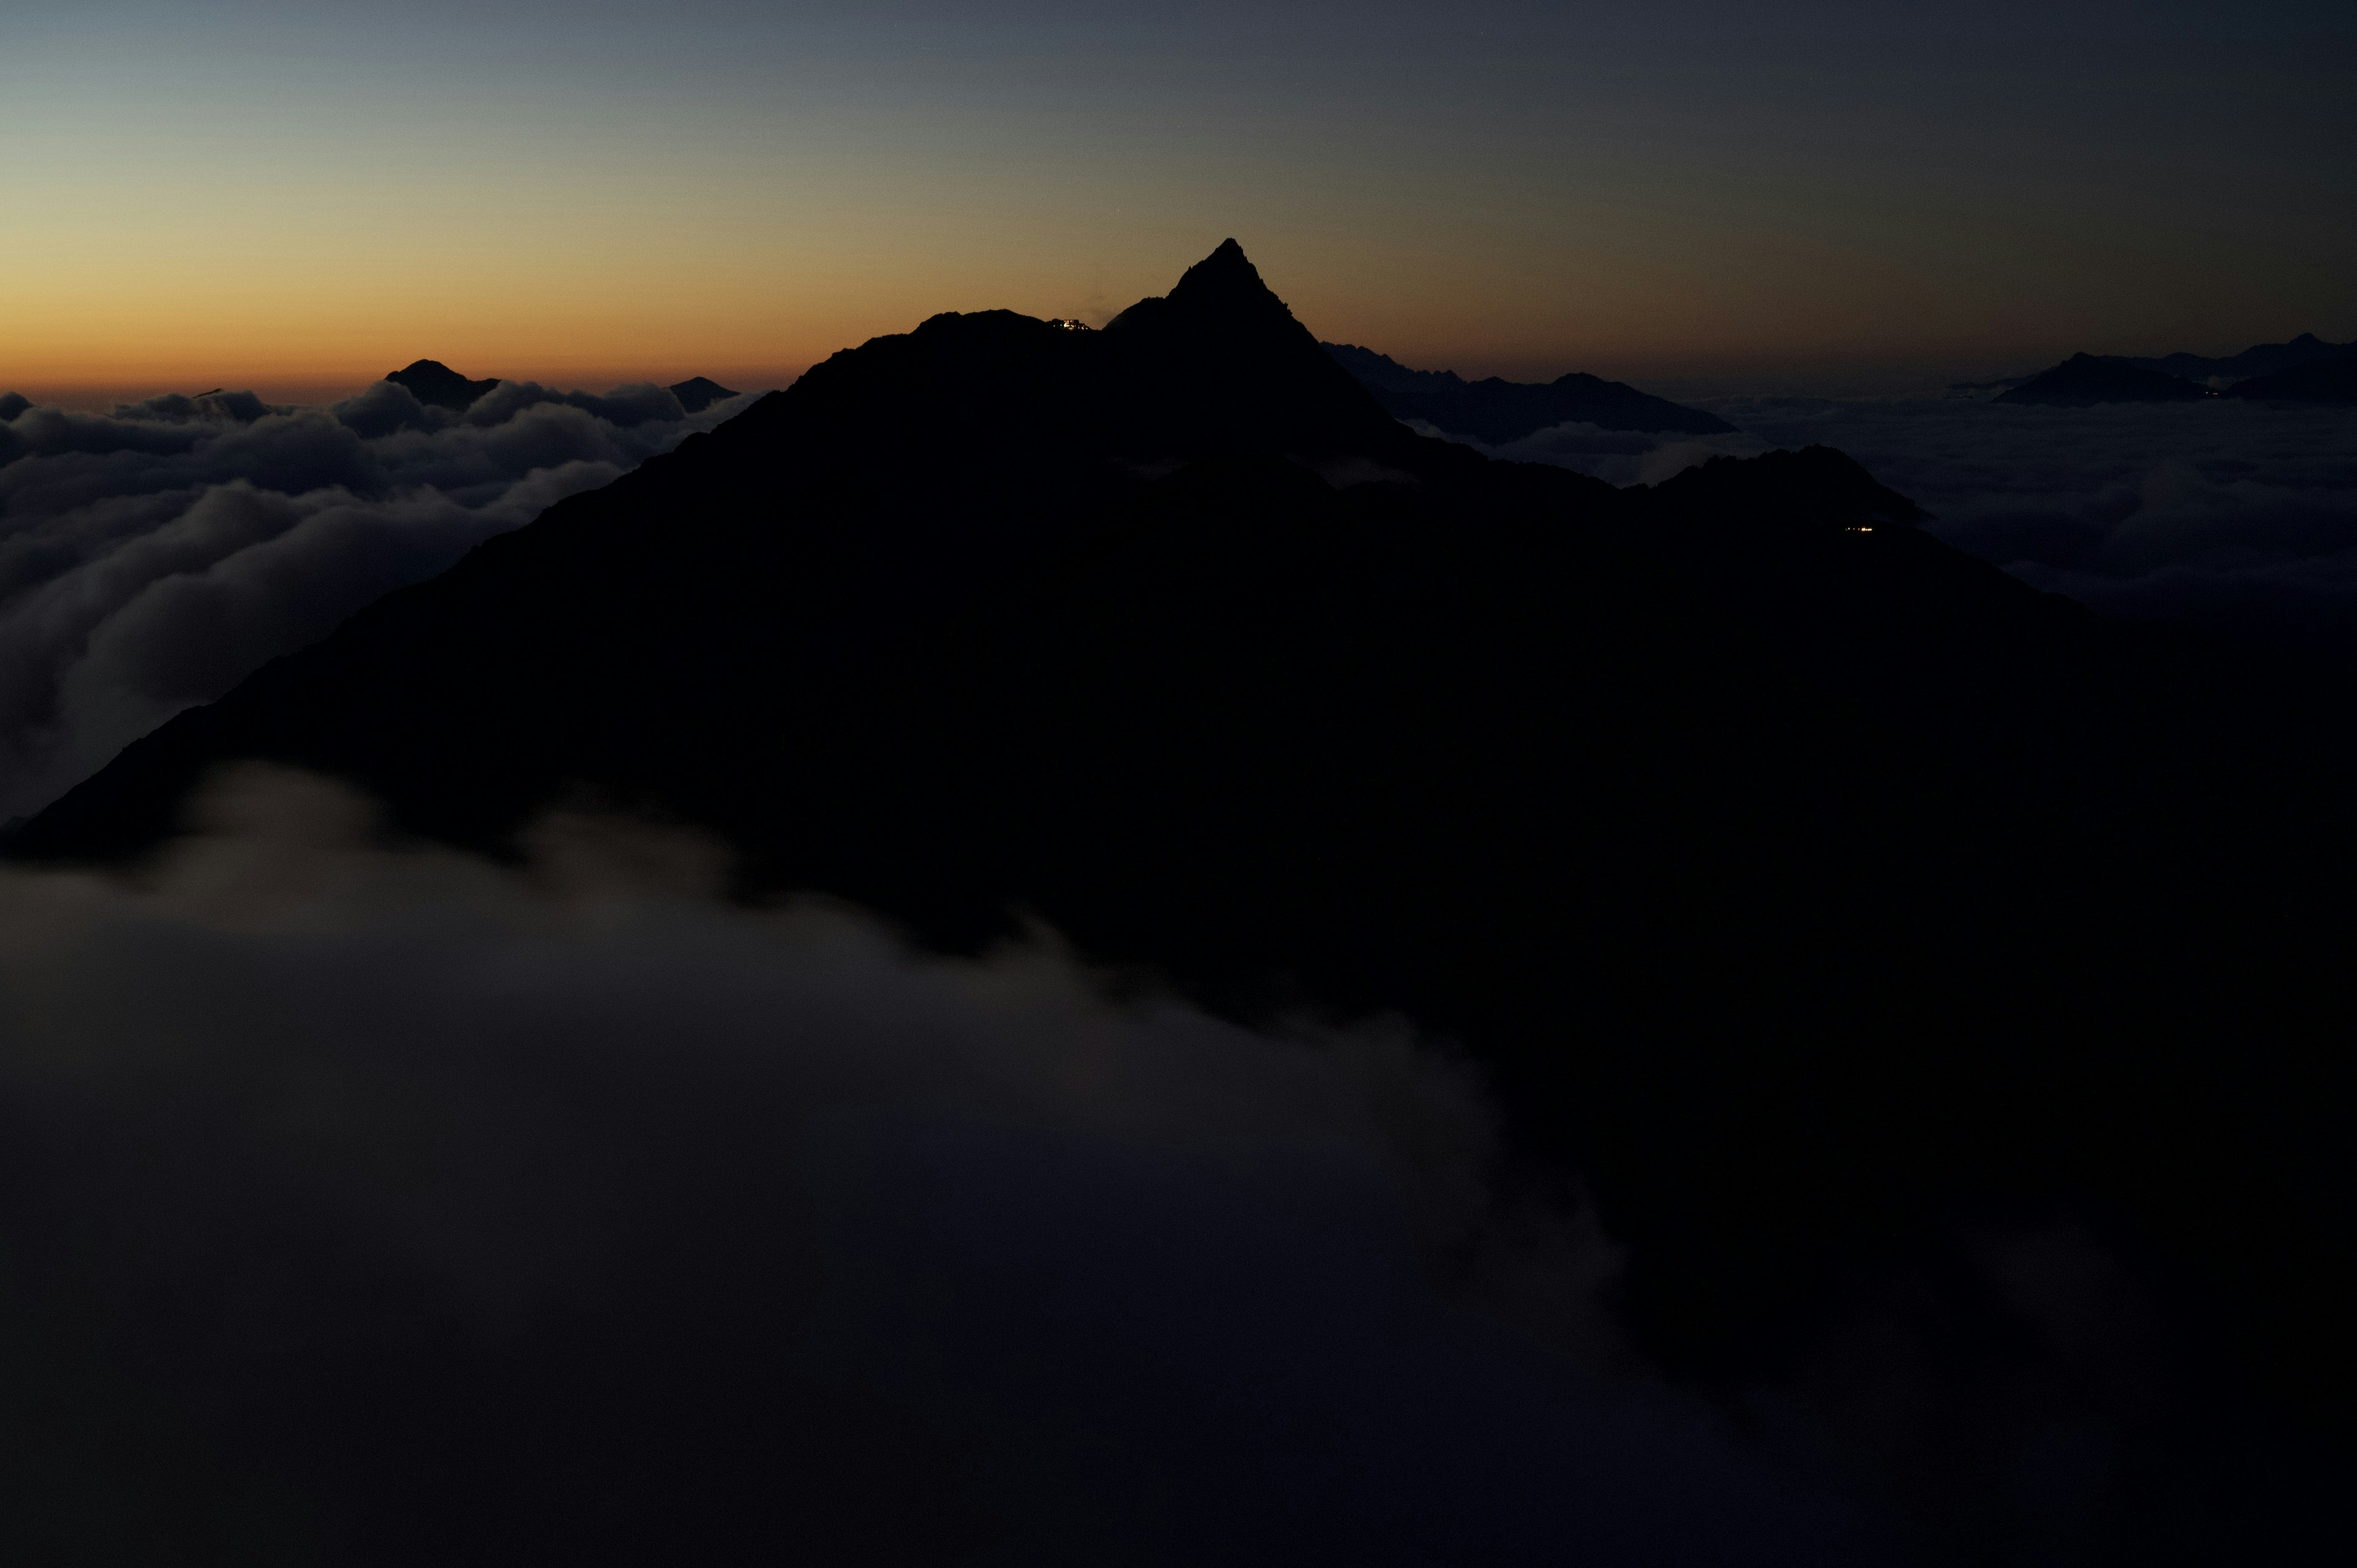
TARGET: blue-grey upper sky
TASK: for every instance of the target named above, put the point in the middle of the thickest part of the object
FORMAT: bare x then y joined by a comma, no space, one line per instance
311,192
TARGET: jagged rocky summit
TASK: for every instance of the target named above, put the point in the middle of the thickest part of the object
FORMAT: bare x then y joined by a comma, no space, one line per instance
1791,875
1497,411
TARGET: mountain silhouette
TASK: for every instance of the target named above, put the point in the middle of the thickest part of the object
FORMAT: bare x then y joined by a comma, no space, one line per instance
432,383
1802,884
699,393
2259,360
2327,381
1496,411
2082,380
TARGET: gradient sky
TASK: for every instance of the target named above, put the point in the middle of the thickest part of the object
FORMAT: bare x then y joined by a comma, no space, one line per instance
306,195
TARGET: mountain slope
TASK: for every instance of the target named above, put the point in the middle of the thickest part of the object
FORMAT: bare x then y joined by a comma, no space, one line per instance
1802,884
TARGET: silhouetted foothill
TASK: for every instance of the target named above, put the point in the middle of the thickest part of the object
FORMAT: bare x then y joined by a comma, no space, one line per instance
700,393
2326,381
1497,412
1812,891
2082,380
432,383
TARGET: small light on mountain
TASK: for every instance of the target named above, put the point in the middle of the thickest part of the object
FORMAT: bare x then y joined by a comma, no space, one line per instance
1858,528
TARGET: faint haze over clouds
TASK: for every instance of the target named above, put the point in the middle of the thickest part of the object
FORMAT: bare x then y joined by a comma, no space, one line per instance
264,192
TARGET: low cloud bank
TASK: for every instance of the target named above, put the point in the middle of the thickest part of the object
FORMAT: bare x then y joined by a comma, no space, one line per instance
152,558
2238,517
2241,518
368,1205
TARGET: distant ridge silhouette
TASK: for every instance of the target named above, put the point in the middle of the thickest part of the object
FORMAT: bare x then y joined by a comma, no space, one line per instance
2259,360
1806,889
2082,380
1497,411
2222,371
699,393
436,384
2325,381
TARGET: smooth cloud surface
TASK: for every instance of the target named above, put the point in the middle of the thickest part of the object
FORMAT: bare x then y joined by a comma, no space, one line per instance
151,559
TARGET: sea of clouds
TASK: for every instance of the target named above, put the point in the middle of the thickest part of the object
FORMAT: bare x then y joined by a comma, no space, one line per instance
152,558
2237,516
367,1202
364,1202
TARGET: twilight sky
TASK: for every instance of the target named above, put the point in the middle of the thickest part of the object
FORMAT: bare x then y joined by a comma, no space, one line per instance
302,195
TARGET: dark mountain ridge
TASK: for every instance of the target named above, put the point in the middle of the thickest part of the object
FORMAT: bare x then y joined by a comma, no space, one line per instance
436,385
1496,411
699,393
2258,359
2316,381
1806,887
2082,380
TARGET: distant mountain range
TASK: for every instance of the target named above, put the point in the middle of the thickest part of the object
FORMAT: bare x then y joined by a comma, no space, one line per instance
2084,381
2263,361
2259,360
1496,411
436,384
2331,380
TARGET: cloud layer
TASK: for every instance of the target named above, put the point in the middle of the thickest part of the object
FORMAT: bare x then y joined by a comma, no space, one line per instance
2241,518
2236,517
152,558
376,1206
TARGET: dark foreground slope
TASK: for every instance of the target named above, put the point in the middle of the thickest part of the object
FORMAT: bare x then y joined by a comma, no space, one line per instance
1812,893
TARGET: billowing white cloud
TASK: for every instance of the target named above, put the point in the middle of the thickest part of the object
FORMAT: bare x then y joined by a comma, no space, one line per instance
152,558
